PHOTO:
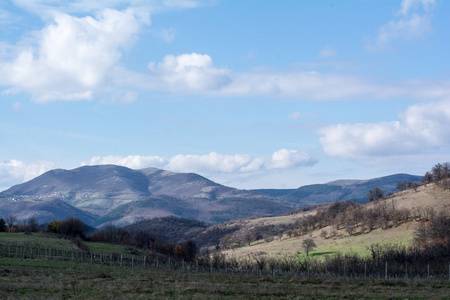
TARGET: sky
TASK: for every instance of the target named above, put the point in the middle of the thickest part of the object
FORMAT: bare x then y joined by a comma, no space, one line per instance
250,94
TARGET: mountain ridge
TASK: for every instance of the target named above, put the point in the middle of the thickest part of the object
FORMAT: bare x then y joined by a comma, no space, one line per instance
109,193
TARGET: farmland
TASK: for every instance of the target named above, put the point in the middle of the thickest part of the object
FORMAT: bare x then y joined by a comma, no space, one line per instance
33,279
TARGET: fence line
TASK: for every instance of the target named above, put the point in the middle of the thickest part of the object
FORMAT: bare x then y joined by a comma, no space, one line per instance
307,268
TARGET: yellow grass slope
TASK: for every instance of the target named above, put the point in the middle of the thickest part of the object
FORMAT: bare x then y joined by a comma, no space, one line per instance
419,202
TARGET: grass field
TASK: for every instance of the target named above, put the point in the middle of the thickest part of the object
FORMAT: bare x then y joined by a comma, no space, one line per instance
21,279
48,240
38,240
106,248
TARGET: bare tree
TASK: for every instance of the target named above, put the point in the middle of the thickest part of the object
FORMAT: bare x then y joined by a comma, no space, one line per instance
401,186
11,221
375,194
248,237
33,225
421,234
413,185
308,245
437,171
427,178
350,228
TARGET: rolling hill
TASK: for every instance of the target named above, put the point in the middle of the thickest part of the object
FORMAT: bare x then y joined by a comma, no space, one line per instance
278,235
109,193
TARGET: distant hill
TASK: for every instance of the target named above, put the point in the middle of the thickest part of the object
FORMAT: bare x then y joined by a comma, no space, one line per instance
109,193
340,190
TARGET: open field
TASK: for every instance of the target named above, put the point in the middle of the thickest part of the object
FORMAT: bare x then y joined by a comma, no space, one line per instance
30,279
37,240
53,241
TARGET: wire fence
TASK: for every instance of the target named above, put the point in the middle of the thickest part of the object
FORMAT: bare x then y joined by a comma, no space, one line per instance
348,267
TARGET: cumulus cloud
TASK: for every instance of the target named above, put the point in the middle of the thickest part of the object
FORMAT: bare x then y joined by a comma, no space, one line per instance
71,57
130,161
421,128
413,22
189,72
213,162
284,158
14,172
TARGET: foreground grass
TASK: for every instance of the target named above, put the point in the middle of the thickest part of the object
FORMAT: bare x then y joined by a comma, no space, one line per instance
21,279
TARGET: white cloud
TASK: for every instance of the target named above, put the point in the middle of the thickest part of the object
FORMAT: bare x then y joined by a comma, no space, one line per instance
14,172
422,128
413,22
131,161
189,73
212,163
196,73
71,57
284,158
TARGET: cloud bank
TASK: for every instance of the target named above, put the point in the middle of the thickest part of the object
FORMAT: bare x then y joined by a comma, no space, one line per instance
213,162
422,127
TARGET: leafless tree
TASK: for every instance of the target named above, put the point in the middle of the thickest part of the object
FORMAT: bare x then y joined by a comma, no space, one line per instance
427,178
308,245
248,237
350,228
33,225
11,221
421,234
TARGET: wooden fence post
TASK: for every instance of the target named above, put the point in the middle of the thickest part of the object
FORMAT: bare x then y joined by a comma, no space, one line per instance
385,271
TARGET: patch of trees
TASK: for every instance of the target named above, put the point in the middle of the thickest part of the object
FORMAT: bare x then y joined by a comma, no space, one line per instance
172,229
439,174
12,224
144,239
71,227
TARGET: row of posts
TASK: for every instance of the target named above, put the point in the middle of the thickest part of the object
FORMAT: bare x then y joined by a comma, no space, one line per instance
90,257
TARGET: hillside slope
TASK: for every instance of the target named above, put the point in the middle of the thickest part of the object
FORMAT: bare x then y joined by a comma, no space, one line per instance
286,239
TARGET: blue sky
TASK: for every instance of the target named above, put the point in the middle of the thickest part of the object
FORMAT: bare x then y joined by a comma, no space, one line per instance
251,94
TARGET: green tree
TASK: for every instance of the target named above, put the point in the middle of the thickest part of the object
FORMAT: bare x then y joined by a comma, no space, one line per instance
2,225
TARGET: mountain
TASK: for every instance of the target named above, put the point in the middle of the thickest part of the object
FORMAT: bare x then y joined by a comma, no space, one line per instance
44,211
340,190
109,193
